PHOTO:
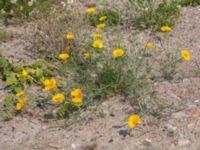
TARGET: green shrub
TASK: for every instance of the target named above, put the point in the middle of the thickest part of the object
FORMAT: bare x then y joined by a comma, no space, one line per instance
113,17
147,14
167,14
104,75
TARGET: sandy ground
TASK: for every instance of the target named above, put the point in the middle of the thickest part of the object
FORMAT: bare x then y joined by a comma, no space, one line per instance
179,129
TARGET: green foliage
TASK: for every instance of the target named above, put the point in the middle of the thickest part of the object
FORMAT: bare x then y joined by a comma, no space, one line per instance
113,17
5,68
11,79
9,74
64,109
146,14
8,101
17,89
167,13
190,2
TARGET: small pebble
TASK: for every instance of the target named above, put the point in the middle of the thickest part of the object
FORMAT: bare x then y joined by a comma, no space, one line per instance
73,145
179,115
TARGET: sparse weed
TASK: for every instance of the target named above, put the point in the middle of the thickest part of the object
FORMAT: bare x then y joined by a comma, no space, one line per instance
168,67
46,38
4,36
49,40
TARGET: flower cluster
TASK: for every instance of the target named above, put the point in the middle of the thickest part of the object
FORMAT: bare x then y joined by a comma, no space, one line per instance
76,100
77,95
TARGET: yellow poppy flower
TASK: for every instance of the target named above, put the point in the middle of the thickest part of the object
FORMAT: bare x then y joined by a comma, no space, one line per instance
50,85
97,35
149,45
19,106
23,100
23,74
77,93
90,10
69,36
86,55
98,44
103,18
77,102
58,98
20,103
101,25
185,54
133,120
64,56
166,28
118,52
19,94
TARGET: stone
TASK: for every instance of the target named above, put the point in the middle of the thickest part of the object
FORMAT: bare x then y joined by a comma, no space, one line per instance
179,115
183,142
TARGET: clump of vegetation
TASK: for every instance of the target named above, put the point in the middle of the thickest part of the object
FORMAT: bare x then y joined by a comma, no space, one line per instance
112,75
108,16
20,76
168,67
48,40
190,2
146,14
103,73
4,36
